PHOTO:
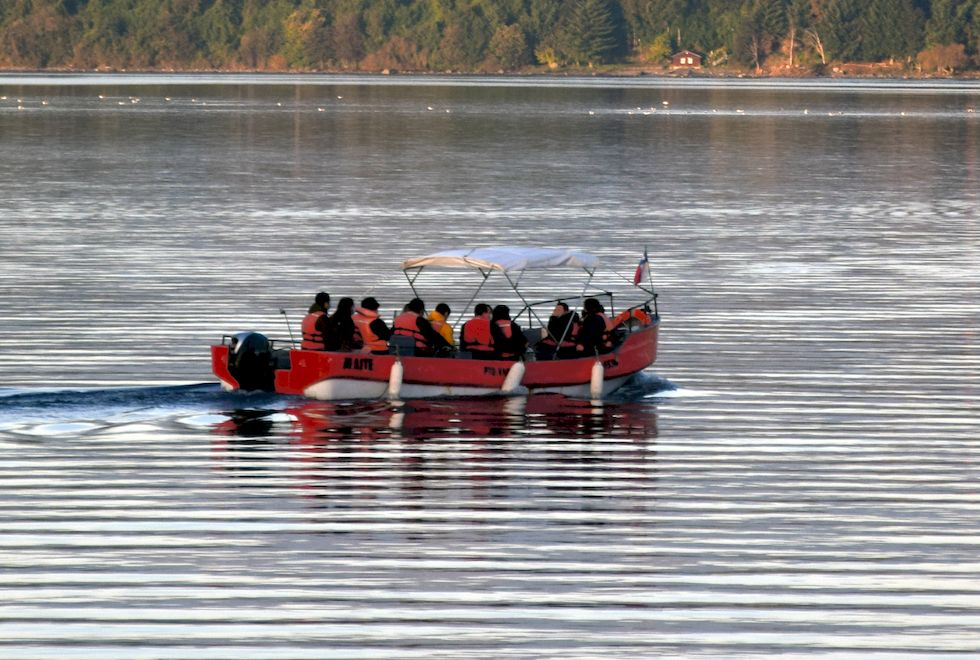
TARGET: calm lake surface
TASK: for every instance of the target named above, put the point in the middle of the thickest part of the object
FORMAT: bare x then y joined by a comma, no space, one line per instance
797,475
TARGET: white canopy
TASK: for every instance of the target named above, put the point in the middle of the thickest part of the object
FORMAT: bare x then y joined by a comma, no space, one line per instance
505,258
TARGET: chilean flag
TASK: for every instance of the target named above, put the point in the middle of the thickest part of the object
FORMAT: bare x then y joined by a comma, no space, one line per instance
642,270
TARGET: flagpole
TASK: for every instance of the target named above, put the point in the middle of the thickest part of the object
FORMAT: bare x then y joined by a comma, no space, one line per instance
646,258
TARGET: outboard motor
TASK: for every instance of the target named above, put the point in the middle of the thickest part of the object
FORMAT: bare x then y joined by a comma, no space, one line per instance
250,362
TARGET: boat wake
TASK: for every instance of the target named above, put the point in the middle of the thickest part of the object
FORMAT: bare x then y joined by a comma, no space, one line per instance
61,412
30,407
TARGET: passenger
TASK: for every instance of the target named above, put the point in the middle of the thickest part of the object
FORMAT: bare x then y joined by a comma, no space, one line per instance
439,321
562,327
509,342
412,323
475,335
594,337
312,327
372,331
339,330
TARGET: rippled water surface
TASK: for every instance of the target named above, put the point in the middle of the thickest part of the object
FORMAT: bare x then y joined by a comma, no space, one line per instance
796,475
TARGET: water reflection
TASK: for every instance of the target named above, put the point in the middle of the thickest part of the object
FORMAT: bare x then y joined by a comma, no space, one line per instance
314,423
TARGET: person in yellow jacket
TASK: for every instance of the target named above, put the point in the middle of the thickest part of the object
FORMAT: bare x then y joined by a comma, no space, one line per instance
439,320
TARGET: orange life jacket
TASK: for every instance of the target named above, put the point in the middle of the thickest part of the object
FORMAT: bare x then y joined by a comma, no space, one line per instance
362,321
507,330
406,325
312,337
476,335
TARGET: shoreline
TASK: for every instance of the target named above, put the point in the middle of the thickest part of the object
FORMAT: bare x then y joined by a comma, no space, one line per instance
837,72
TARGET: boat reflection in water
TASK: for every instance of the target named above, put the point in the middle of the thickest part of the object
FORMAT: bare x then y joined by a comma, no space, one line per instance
471,447
311,423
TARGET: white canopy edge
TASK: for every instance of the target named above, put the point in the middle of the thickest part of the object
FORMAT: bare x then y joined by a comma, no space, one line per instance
505,259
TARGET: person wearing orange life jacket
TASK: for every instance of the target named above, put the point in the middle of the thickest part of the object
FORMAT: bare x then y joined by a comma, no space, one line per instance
595,335
313,323
372,331
509,342
475,335
439,321
412,323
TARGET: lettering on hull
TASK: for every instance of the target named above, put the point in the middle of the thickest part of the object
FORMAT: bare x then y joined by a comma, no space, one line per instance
359,363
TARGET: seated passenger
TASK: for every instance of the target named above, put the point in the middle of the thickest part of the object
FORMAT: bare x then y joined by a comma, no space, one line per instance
562,327
412,323
509,342
372,331
312,334
594,337
475,336
439,320
339,329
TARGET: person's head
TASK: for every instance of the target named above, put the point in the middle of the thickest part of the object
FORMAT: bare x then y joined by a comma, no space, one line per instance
416,305
370,303
481,309
443,309
592,306
345,307
560,309
501,313
323,300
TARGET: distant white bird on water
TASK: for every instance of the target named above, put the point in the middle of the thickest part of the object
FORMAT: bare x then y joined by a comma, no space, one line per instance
319,109
339,96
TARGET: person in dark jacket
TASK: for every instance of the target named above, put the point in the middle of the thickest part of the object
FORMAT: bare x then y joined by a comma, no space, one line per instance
509,342
562,327
595,334
339,331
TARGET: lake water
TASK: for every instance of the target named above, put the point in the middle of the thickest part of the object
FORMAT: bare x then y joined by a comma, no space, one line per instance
797,475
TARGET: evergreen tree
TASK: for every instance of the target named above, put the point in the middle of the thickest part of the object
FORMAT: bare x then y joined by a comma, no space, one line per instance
591,33
841,28
945,22
892,29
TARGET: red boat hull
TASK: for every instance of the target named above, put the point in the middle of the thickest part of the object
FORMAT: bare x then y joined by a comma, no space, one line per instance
332,376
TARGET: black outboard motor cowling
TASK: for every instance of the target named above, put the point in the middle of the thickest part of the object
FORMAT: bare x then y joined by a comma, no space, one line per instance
250,361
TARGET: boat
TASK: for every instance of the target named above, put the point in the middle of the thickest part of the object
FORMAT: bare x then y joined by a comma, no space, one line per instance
251,361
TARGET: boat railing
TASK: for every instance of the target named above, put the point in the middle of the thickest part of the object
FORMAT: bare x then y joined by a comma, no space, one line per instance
534,319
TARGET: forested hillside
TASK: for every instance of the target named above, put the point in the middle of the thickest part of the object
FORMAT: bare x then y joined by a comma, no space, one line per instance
926,36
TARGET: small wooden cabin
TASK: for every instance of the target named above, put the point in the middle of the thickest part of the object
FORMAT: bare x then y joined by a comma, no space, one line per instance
685,59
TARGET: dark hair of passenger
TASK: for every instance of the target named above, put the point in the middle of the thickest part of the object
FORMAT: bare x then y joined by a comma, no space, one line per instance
345,307
481,309
322,299
563,305
592,306
370,303
416,305
443,309
501,313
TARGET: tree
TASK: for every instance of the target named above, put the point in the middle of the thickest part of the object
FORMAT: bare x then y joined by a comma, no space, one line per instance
464,42
305,38
891,29
591,33
841,28
509,46
943,59
346,38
